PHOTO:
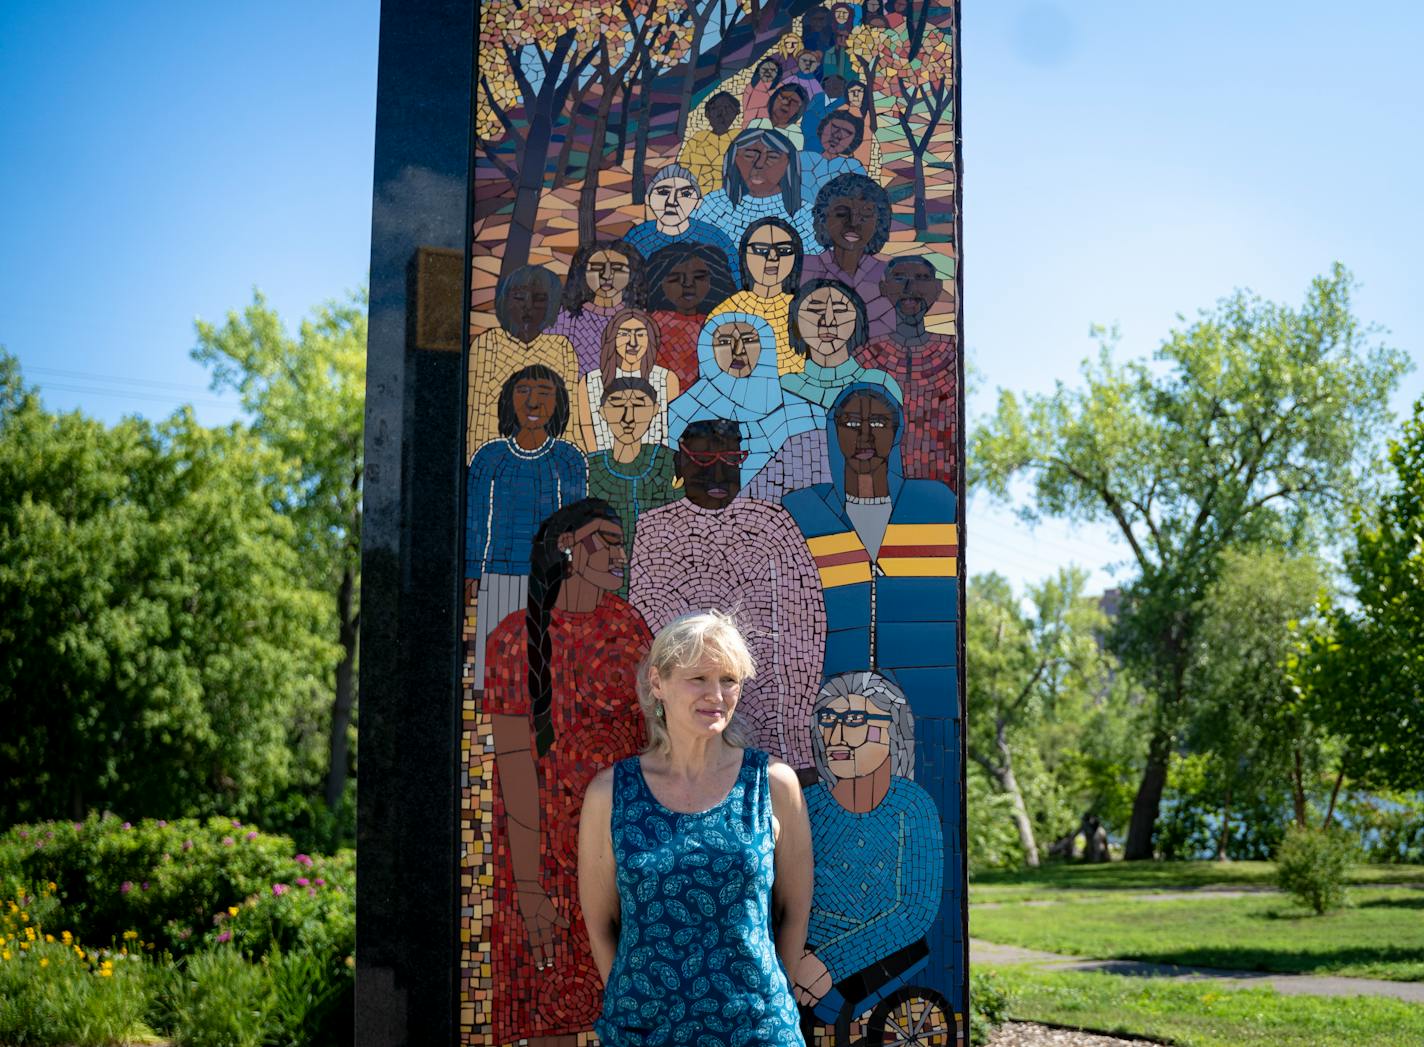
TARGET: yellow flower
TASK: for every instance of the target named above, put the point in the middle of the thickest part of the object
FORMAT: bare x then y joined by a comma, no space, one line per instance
79,952
53,886
24,945
5,954
232,910
30,933
25,917
44,961
106,972
49,937
66,938
130,935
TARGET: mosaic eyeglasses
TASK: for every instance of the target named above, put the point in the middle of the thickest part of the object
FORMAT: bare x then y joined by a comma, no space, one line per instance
828,718
781,250
710,458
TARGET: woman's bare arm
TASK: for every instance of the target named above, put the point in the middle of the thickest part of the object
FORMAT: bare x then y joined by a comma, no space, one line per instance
791,893
597,872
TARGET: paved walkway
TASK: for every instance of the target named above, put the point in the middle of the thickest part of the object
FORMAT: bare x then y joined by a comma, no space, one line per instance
1289,984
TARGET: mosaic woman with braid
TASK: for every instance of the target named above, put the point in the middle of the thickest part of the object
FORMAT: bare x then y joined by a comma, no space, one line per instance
561,692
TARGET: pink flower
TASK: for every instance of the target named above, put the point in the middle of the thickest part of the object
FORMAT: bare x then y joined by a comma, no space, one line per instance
236,824
227,841
185,934
78,826
24,835
145,885
125,887
252,836
303,859
226,936
187,845
302,881
162,824
279,889
127,825
320,882
311,892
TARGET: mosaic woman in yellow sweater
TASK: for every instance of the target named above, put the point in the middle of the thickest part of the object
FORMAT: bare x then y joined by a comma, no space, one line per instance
771,254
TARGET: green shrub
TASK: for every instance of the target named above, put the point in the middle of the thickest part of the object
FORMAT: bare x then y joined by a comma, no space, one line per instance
219,999
57,994
165,880
988,1005
1311,865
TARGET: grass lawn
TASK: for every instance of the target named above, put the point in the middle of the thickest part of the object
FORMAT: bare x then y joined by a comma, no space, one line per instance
1208,1014
1052,880
1380,936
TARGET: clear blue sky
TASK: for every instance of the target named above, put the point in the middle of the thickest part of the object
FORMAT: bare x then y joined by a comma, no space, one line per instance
1125,162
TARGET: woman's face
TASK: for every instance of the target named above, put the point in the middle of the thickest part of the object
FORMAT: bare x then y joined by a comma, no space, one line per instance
698,699
687,285
766,72
762,167
770,256
785,107
607,276
826,321
850,222
854,751
596,554
841,16
736,347
631,342
836,137
534,403
855,96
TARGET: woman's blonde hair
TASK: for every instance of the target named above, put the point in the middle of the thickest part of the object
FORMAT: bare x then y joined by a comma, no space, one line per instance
684,642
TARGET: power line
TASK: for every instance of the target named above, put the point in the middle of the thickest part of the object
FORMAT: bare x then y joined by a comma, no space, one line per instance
131,395
89,375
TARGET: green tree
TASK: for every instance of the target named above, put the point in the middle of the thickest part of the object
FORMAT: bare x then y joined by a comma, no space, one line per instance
1027,671
1255,425
1362,676
1245,716
305,397
157,641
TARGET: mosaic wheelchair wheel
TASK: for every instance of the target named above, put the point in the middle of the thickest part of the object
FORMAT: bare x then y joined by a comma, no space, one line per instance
912,1017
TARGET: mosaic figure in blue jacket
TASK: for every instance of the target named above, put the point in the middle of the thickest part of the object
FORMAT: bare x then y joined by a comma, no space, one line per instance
738,380
887,552
514,484
879,848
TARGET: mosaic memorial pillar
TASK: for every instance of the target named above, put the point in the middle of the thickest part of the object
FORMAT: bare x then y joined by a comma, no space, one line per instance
712,362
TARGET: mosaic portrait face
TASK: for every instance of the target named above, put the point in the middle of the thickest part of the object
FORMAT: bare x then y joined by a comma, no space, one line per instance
856,734
865,431
711,469
836,137
762,167
850,223
629,413
911,287
526,303
598,556
736,347
534,402
826,320
785,107
687,285
807,62
672,201
720,115
631,342
770,255
607,276
767,72
855,96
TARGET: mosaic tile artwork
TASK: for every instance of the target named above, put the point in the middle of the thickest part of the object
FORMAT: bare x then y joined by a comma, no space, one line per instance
714,363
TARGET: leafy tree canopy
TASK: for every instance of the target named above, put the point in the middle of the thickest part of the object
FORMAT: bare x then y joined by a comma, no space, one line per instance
161,651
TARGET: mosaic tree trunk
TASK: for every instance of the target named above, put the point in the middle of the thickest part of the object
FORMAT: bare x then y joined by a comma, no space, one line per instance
718,367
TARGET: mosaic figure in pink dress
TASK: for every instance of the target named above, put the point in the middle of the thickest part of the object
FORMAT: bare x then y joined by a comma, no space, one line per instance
713,549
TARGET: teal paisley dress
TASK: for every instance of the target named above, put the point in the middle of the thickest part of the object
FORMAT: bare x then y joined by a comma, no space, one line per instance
696,964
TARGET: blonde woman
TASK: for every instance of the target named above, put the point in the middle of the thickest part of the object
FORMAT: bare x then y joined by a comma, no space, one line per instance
692,855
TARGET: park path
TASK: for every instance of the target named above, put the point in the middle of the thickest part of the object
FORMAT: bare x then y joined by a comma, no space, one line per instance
1288,984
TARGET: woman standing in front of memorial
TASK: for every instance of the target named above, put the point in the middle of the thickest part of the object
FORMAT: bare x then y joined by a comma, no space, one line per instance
701,843
561,696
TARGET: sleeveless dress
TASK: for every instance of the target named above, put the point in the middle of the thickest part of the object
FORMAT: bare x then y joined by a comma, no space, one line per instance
696,964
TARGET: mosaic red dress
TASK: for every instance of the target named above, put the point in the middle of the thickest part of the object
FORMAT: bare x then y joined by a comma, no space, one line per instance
596,723
929,376
677,344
